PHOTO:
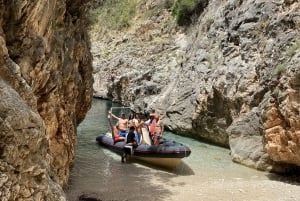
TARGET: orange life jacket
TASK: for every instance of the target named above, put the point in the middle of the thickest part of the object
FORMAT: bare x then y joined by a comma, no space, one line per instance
152,127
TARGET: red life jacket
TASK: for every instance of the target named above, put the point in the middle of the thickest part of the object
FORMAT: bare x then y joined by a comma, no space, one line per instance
152,127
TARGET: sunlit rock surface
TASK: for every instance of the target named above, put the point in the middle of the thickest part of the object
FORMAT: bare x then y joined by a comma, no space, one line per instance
282,124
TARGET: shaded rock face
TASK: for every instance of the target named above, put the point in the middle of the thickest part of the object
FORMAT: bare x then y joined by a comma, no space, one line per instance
25,161
231,78
45,91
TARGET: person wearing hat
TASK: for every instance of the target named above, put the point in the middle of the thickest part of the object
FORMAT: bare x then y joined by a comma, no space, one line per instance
122,123
155,126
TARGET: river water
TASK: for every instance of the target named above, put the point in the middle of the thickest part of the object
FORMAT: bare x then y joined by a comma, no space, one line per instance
207,174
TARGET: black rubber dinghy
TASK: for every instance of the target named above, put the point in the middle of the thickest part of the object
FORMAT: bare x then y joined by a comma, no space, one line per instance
169,153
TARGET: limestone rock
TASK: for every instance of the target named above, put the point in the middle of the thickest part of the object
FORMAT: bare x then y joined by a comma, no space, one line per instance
282,125
25,161
45,92
215,80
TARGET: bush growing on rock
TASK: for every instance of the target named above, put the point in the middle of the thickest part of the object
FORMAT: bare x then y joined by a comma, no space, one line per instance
114,14
184,10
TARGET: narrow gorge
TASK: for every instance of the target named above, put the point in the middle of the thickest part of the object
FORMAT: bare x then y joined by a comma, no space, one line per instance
231,76
221,71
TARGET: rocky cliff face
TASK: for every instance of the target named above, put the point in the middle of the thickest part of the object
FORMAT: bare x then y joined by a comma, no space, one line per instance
232,77
45,90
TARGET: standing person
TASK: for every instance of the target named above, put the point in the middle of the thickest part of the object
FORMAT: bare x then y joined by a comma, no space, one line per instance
150,121
115,131
156,129
122,123
138,123
150,125
130,144
131,120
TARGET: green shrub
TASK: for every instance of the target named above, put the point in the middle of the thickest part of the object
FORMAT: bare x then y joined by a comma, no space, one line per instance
292,50
168,4
114,14
276,92
280,69
183,11
157,10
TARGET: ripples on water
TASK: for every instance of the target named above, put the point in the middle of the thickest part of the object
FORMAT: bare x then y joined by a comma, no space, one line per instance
99,172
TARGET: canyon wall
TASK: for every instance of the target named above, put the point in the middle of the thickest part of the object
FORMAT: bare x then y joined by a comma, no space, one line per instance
45,92
231,77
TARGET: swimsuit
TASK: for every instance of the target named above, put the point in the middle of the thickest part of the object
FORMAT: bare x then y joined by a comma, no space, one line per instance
138,137
123,133
118,139
156,136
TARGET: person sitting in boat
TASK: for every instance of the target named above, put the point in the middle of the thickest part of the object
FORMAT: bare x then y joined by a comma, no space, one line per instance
130,144
115,131
122,124
156,128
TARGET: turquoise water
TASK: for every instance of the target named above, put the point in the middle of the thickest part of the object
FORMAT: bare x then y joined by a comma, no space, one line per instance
99,173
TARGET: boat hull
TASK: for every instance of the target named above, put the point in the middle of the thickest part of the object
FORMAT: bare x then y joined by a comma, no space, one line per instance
162,162
168,154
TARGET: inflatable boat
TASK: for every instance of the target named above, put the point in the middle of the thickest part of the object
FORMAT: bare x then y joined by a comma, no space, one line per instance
168,154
